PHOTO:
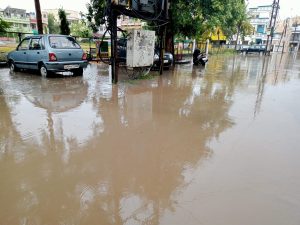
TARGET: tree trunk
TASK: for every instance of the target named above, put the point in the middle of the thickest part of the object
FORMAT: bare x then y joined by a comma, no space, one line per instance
38,16
237,37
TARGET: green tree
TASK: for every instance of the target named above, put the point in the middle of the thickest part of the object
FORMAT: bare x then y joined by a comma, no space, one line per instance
190,18
237,21
4,25
53,25
96,13
64,24
80,29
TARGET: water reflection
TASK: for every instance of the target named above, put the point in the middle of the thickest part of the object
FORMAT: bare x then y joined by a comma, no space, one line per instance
83,151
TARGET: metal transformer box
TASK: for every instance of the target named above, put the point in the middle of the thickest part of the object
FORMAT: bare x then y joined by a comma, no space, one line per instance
140,48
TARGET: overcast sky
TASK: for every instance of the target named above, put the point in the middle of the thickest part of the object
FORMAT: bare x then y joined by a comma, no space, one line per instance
288,8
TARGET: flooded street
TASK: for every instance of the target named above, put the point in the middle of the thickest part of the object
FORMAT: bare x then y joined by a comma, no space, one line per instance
213,146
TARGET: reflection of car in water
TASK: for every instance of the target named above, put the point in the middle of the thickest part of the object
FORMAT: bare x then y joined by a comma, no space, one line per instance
48,53
122,51
58,108
57,95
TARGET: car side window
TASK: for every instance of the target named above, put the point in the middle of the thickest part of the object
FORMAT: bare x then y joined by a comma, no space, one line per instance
36,44
24,44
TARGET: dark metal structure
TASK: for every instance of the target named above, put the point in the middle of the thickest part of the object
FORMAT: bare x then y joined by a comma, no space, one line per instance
38,16
149,10
272,24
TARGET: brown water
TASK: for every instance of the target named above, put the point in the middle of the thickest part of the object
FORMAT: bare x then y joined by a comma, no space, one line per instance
213,146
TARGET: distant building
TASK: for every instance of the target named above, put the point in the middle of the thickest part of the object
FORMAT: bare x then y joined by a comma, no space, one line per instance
72,16
17,18
128,23
295,37
33,22
124,22
260,20
21,21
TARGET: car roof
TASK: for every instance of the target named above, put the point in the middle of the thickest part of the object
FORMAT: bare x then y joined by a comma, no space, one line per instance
47,35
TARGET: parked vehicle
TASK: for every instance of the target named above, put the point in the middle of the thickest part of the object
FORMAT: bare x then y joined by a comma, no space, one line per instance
48,54
122,51
253,49
199,57
168,60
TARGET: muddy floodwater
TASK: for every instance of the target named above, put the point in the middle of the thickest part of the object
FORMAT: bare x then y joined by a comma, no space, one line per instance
215,146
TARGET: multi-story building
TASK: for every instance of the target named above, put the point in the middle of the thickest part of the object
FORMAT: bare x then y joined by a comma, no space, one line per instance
295,37
260,20
17,18
125,23
72,16
33,22
21,21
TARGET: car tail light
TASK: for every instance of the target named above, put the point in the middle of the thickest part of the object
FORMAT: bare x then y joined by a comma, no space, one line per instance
84,56
52,57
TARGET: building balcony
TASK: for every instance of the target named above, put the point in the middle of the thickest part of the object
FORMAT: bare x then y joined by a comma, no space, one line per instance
16,20
259,21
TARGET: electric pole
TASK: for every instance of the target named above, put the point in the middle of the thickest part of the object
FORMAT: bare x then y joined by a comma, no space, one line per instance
272,24
38,15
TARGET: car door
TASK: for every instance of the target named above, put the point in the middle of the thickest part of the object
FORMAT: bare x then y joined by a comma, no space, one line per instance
20,55
36,52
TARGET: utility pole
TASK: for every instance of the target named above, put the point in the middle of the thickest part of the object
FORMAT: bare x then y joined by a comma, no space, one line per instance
114,52
113,16
38,15
272,24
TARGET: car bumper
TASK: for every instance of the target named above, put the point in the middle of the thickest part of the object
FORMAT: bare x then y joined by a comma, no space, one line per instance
167,63
65,66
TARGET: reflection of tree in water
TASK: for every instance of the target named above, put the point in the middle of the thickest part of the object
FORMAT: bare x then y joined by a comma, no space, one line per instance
129,174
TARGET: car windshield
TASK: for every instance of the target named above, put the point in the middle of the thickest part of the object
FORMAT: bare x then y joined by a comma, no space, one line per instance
62,42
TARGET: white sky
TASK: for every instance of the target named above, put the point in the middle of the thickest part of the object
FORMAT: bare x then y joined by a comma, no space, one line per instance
288,8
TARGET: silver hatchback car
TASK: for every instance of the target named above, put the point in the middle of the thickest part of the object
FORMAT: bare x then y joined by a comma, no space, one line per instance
48,53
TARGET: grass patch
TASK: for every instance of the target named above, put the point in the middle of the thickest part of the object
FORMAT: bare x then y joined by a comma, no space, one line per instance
134,78
222,51
3,57
147,76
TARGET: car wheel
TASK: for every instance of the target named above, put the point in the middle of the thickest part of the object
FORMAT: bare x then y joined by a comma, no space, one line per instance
43,71
78,72
13,67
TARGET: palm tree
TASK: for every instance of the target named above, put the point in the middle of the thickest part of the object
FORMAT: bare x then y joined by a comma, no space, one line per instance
38,16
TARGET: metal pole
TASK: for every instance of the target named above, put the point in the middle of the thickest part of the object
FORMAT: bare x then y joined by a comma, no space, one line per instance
277,7
161,50
114,53
38,16
20,37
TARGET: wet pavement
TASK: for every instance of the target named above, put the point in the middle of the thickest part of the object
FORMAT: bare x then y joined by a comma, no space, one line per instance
216,145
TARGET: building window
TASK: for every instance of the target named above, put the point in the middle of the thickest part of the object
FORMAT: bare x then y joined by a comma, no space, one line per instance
260,29
24,25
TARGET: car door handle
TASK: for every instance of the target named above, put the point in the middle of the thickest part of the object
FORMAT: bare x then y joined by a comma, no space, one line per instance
25,53
70,54
38,52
